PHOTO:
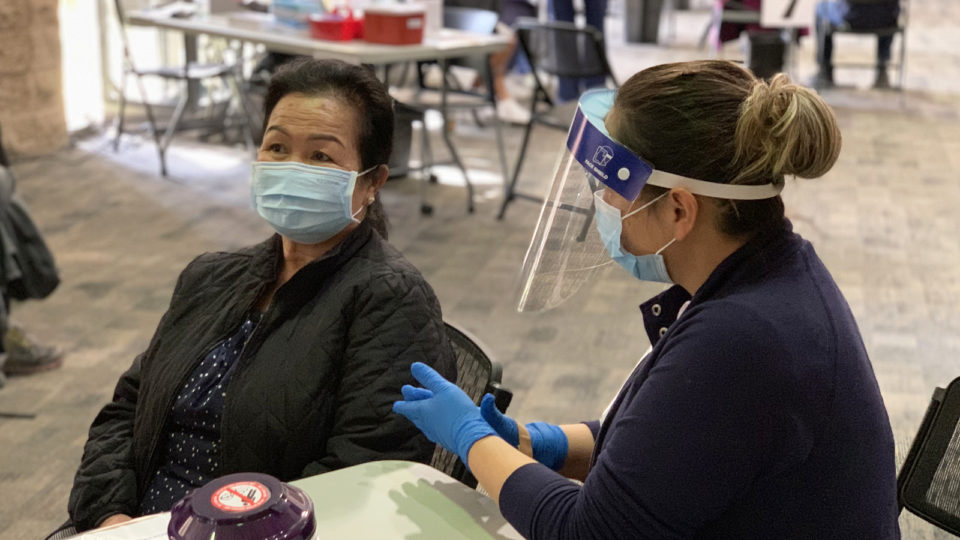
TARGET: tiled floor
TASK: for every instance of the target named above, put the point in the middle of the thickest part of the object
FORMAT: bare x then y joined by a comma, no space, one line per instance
884,221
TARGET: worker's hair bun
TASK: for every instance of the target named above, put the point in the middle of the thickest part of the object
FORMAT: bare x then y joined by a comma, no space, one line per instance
785,129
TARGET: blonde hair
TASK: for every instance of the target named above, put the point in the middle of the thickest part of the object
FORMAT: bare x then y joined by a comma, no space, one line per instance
713,120
785,129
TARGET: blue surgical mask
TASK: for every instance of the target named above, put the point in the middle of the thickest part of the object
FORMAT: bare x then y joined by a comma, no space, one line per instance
305,203
610,226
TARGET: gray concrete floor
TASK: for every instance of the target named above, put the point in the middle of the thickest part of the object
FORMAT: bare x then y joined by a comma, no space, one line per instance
884,221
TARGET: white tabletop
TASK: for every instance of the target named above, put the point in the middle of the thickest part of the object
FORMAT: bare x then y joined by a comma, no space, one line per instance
386,500
261,28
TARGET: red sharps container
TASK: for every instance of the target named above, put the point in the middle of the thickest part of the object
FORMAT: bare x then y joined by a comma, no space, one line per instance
393,24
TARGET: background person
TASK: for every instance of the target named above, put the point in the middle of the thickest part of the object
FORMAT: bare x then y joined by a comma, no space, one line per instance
283,358
858,15
595,11
757,413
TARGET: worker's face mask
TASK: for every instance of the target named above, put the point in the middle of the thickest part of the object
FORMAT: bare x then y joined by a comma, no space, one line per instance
610,226
568,248
305,203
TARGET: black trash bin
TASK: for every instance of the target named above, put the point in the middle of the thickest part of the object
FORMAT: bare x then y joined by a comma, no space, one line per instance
403,117
642,20
765,53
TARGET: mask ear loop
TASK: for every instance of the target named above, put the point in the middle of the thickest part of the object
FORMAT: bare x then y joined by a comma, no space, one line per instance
632,212
662,195
369,201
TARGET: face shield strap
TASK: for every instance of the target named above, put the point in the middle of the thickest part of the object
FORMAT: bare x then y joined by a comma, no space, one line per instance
620,170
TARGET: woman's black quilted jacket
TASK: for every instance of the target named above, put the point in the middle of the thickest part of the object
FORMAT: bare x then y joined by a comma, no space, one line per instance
315,384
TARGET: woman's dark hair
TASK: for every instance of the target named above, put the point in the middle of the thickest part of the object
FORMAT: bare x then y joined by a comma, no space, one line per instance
359,88
714,121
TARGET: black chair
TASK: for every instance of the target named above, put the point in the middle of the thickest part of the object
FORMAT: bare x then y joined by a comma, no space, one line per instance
928,484
477,374
190,75
558,49
824,29
63,532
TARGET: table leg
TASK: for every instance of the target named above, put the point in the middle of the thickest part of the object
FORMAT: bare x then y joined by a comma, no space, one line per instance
444,90
190,55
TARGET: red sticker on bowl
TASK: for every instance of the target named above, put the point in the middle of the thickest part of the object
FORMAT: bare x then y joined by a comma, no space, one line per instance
240,496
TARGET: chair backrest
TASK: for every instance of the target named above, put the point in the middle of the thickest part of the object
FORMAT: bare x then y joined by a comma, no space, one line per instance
563,49
477,374
928,484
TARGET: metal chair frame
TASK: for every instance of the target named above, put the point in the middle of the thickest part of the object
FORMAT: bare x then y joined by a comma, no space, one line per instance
523,27
479,21
190,73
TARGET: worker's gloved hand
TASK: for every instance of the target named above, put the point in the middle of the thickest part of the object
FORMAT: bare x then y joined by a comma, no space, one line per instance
442,411
545,442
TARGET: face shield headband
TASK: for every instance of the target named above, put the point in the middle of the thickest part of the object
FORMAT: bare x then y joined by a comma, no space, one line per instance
567,250
622,171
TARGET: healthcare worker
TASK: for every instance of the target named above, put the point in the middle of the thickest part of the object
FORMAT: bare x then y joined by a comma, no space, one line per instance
756,415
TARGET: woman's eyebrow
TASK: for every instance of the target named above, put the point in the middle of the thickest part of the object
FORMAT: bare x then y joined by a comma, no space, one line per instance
311,137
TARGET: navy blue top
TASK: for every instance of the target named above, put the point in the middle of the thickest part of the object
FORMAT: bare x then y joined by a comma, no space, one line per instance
867,15
190,448
756,415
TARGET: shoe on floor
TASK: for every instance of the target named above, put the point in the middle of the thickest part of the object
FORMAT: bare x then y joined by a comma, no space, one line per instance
25,356
511,111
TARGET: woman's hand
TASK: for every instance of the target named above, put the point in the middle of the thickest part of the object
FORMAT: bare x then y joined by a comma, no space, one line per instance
115,519
543,442
442,411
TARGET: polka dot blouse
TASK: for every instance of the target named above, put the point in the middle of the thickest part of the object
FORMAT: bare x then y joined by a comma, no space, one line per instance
190,445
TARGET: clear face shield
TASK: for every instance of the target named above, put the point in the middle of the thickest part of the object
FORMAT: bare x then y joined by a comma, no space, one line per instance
566,250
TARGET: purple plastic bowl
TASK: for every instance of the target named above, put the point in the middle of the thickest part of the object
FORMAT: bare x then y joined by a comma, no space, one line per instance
243,506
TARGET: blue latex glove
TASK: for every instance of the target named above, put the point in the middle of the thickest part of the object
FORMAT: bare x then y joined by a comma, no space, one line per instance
549,442
442,411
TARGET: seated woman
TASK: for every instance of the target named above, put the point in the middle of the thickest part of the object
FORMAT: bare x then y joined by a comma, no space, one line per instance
285,357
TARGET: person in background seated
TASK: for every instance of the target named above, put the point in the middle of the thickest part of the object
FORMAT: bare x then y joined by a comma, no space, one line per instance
756,414
285,357
569,88
508,108
858,15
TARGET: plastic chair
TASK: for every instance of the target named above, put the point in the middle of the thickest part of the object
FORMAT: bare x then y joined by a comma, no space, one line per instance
190,73
825,28
558,49
928,484
477,374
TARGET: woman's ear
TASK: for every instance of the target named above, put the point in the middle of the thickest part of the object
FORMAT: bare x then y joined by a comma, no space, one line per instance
684,208
378,177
